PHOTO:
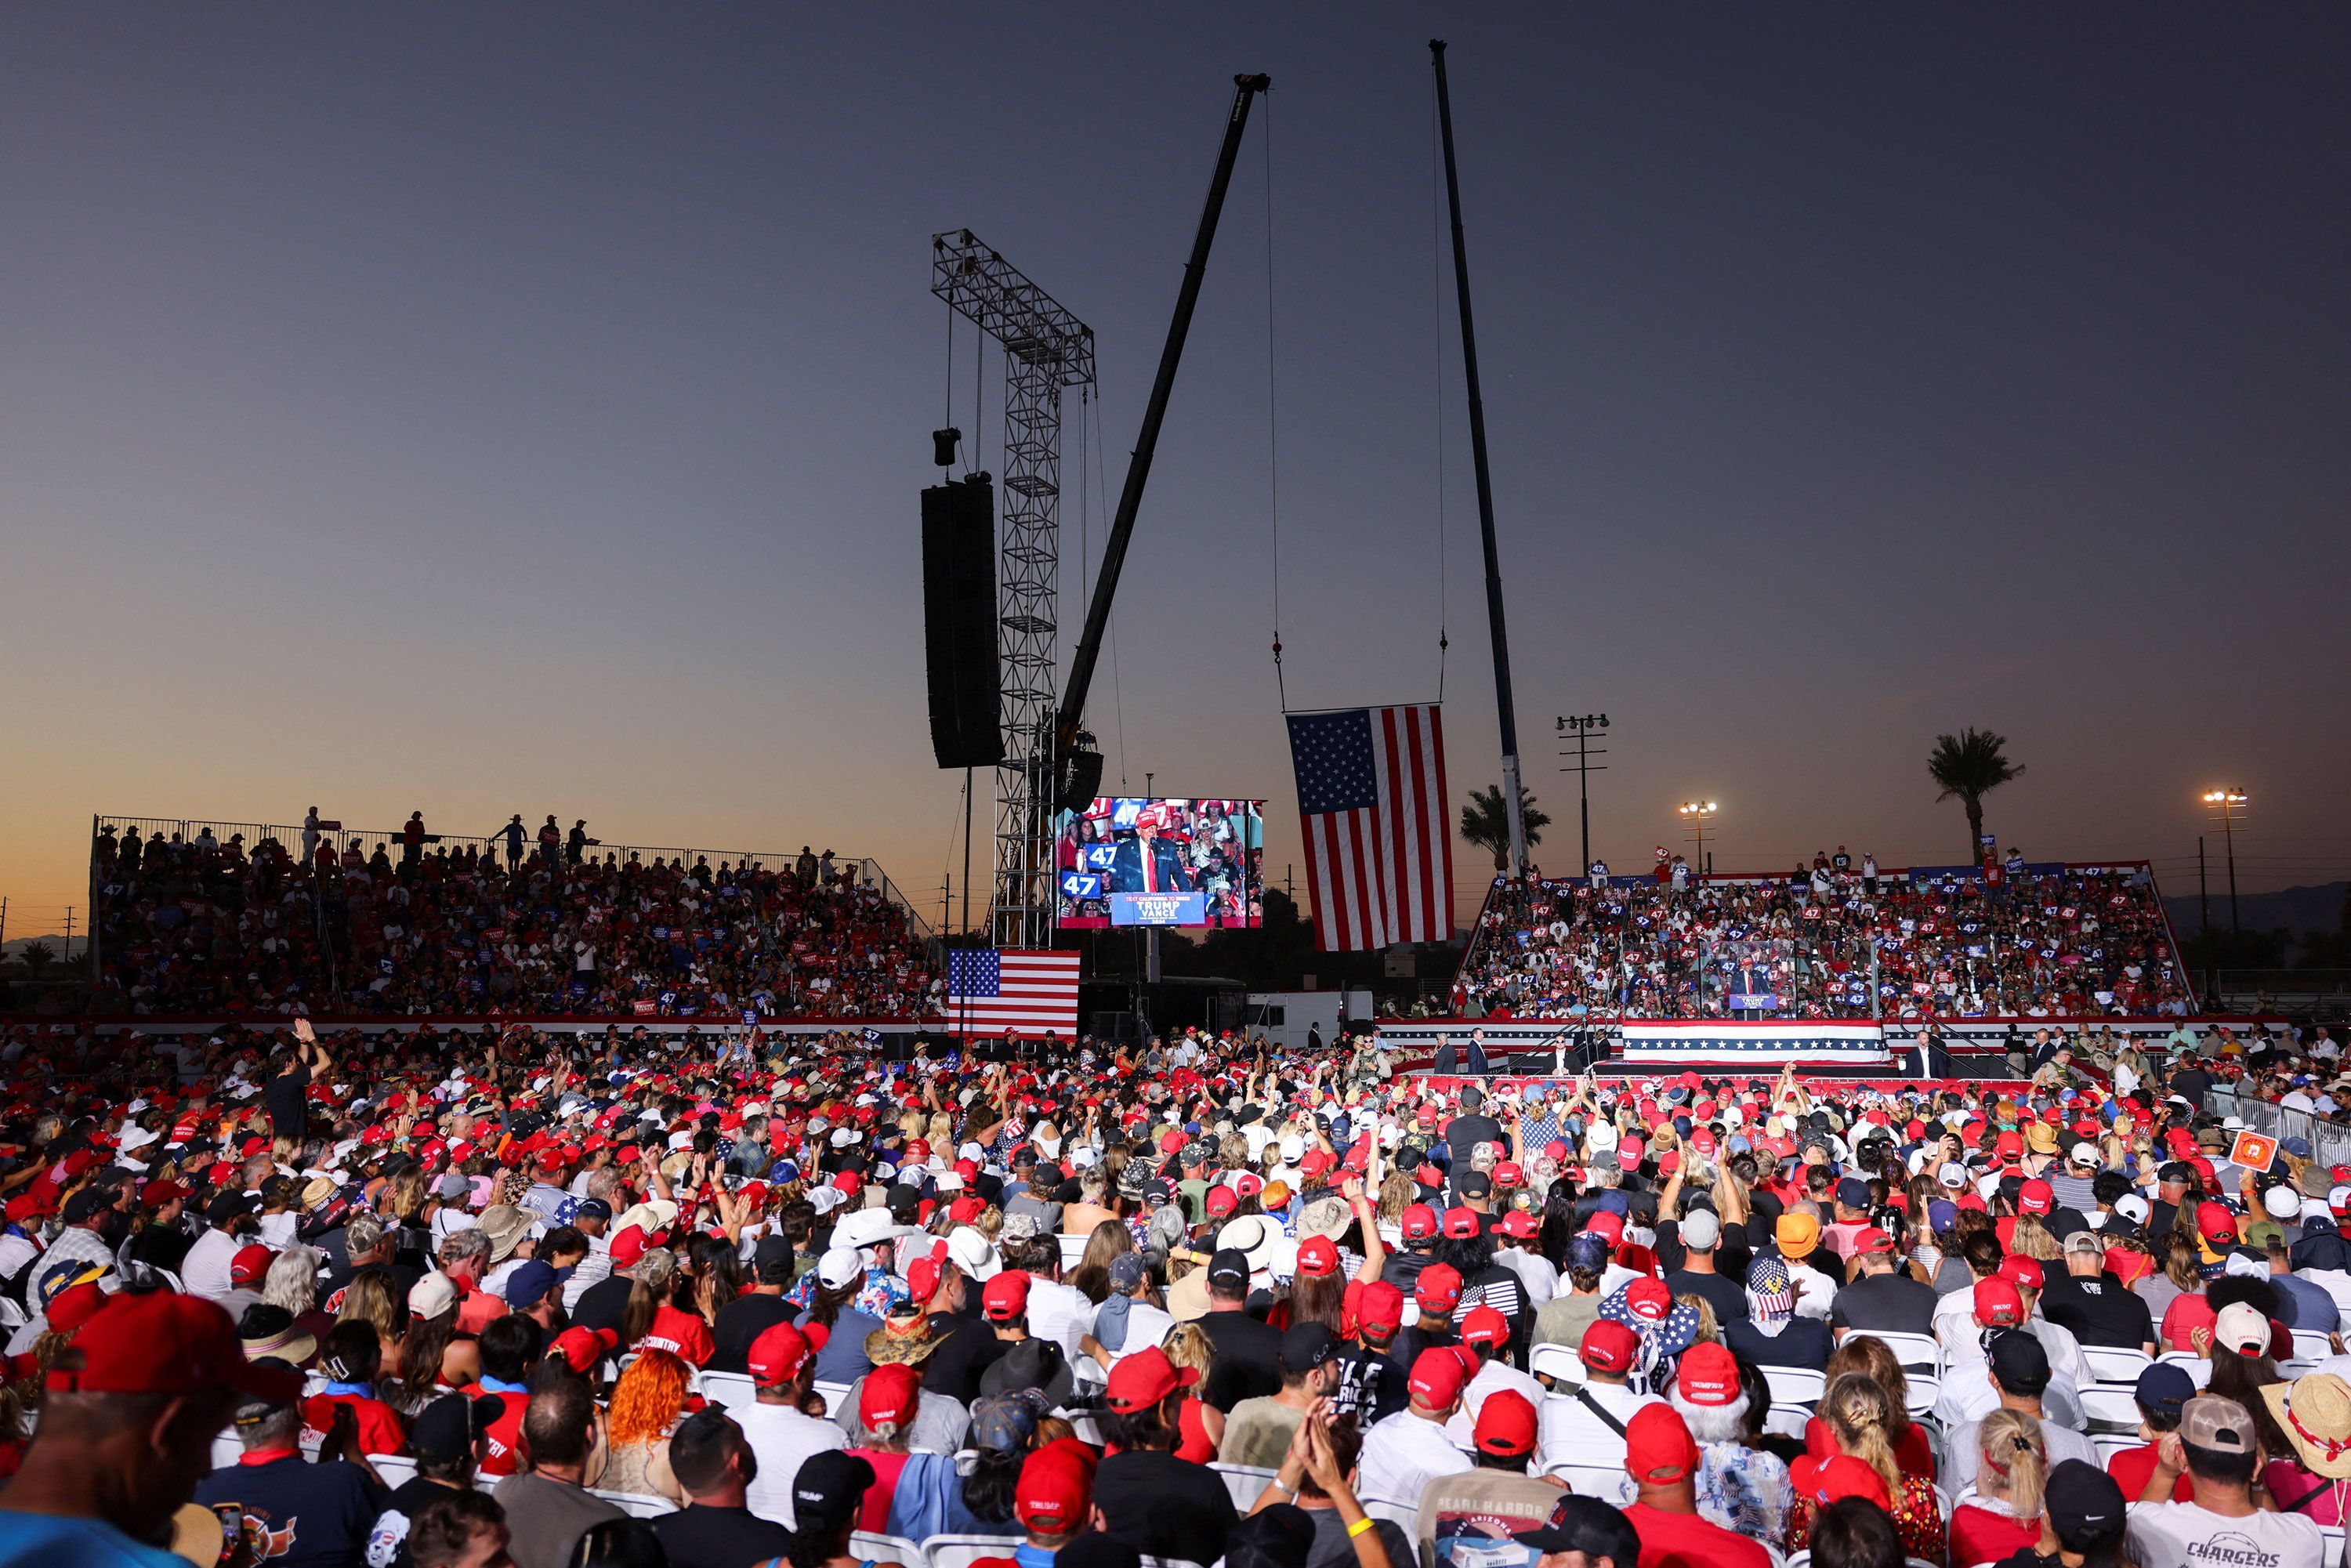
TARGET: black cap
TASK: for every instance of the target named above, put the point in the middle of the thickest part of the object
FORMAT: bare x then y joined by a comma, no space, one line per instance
87,1202
1305,1346
227,1206
1585,1524
772,1255
445,1429
829,1488
1278,1536
2019,1365
2085,1506
1229,1267
1473,1183
592,1208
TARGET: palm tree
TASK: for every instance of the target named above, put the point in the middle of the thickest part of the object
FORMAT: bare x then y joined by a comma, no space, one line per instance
1970,765
1486,822
36,956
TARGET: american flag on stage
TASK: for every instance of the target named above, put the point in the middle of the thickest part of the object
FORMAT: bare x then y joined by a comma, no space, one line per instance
1371,804
989,992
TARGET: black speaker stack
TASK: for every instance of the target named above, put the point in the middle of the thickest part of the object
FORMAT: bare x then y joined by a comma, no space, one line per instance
959,622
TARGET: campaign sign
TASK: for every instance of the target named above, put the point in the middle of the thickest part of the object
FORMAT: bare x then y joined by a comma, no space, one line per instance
2253,1151
1158,909
1755,999
1080,885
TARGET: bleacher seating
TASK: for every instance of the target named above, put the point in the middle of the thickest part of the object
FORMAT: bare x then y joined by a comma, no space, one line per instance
2056,941
190,925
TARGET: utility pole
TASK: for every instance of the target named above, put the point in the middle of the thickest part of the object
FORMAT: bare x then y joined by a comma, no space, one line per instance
1503,710
1583,727
68,952
2228,799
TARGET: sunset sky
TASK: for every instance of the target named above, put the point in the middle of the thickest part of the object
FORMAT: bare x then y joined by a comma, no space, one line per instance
523,409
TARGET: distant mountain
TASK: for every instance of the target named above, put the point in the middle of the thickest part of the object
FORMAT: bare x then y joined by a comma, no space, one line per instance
2297,909
15,945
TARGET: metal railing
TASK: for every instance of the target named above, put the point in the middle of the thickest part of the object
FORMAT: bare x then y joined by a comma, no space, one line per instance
2330,1142
860,870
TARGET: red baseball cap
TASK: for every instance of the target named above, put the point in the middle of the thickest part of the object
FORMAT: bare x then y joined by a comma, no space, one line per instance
1709,1375
1222,1200
1997,1303
1844,1477
1438,1289
890,1394
777,1355
1318,1257
1142,1380
161,1342
1520,1225
2215,1223
1005,1296
581,1347
1381,1308
2035,1196
1484,1325
251,1264
1461,1224
1419,1222
2024,1272
1658,1444
1507,1174
1608,1225
1506,1425
1649,1299
1436,1376
1609,1346
1055,1494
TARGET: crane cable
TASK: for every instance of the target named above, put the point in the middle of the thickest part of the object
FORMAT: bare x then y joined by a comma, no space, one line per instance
1273,426
1437,341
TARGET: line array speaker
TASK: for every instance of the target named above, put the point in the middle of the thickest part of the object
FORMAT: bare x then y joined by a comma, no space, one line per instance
959,623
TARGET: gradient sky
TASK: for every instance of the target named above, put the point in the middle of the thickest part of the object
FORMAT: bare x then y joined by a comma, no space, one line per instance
523,409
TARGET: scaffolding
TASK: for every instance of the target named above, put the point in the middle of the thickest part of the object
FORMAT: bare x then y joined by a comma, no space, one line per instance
1047,351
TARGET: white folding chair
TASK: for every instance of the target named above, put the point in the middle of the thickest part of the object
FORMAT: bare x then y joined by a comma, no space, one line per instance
1553,1360
866,1543
394,1470
2109,1409
962,1550
11,1316
313,1383
1073,1249
1147,1561
1606,1482
2109,1444
833,1394
1922,1391
2114,1365
1778,1558
635,1504
1794,1386
1918,1353
1245,1482
1804,1560
1088,1426
227,1450
2331,1556
2309,1344
729,1389
1405,1516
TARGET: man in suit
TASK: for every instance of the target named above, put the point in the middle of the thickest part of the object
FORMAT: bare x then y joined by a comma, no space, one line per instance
1750,979
1148,863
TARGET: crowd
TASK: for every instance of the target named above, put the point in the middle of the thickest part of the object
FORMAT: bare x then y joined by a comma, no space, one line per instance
479,1299
2026,942
206,926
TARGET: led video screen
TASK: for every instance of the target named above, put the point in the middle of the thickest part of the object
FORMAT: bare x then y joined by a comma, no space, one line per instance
1132,860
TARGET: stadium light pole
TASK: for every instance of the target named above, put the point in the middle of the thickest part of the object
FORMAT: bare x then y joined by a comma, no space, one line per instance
1698,812
2228,798
1583,727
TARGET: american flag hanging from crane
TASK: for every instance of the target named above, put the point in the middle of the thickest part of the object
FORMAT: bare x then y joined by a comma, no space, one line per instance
1372,809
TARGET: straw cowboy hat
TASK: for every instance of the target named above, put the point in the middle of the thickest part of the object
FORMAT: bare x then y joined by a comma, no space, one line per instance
909,1335
505,1225
288,1344
2314,1412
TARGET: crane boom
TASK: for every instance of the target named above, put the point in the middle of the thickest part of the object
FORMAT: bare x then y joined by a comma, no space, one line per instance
1138,467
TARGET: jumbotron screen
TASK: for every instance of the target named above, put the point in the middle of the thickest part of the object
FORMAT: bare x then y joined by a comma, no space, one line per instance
1133,861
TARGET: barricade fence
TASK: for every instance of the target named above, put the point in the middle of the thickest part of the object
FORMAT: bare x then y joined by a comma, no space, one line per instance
2330,1142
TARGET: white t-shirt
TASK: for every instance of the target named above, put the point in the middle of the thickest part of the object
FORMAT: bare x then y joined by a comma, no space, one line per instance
782,1439
1403,1454
2182,1536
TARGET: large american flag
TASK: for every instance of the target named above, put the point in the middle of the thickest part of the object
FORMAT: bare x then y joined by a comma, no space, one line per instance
1371,804
989,992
